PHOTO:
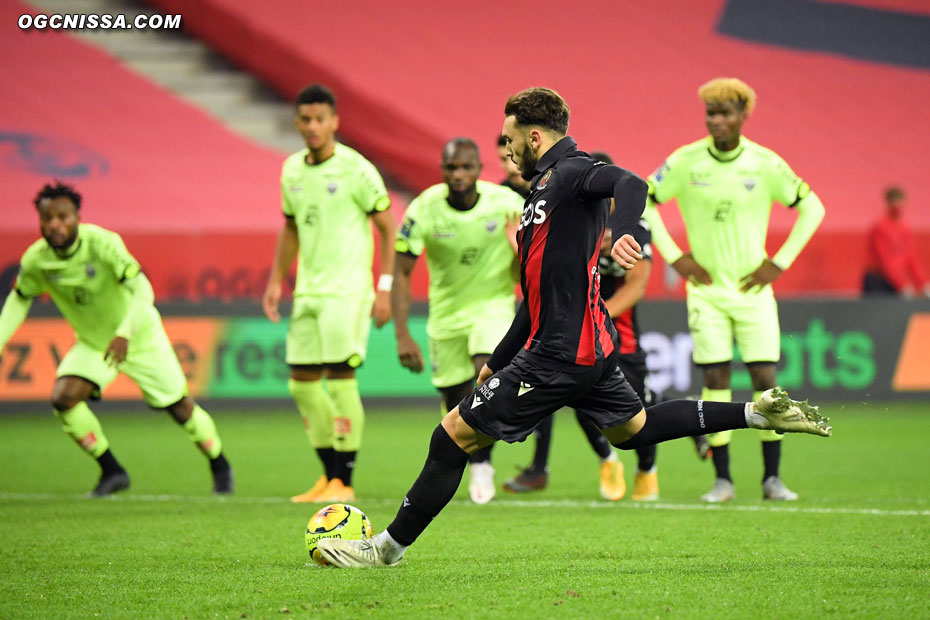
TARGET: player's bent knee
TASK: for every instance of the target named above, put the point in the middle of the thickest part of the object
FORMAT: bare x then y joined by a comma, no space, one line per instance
465,437
620,434
181,411
69,391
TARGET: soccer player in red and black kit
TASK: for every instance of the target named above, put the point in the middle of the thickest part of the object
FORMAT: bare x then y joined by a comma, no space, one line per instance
622,289
562,347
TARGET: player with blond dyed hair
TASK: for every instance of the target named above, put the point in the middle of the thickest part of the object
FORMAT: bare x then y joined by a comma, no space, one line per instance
725,185
722,90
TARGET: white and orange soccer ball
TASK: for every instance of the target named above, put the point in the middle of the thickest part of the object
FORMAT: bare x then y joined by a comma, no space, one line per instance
336,521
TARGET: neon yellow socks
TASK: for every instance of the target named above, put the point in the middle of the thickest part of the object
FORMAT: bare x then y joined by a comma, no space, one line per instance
201,429
724,396
317,410
349,419
84,427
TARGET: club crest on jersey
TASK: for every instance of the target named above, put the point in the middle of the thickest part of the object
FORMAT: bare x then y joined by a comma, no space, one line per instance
90,271
661,171
494,383
749,183
491,226
545,180
331,187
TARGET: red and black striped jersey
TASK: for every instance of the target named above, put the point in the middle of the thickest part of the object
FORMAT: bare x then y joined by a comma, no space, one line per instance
559,242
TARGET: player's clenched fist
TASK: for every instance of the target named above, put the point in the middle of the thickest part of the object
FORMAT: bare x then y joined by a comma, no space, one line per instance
626,252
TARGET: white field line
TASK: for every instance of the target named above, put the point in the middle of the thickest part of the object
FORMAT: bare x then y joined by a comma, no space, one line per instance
542,503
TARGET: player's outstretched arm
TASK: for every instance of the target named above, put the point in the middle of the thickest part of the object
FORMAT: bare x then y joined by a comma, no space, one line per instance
408,351
15,309
386,226
284,253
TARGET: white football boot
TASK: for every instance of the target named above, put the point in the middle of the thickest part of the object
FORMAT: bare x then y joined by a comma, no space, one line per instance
784,415
352,553
481,487
722,491
774,488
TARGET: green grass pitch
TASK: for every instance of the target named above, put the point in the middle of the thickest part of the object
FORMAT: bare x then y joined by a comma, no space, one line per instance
857,544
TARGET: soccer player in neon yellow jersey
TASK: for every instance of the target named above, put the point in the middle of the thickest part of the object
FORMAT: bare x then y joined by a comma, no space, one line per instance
329,192
725,185
100,290
468,229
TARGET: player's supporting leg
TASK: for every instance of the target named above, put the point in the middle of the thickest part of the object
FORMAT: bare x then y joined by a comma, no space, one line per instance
431,491
317,411
348,424
481,487
763,378
535,477
77,420
200,428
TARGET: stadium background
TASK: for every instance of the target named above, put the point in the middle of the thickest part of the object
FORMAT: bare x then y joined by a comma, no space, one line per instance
842,86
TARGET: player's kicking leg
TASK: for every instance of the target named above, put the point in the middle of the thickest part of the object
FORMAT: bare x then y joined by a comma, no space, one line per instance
69,398
773,410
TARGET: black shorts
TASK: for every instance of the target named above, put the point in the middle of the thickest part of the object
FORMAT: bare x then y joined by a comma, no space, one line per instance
514,400
635,372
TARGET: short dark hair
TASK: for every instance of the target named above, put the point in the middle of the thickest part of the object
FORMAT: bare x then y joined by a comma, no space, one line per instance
58,190
602,156
894,194
456,143
539,106
316,93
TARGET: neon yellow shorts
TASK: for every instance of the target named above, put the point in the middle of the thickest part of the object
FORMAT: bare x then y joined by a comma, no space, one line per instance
717,317
150,362
451,358
329,330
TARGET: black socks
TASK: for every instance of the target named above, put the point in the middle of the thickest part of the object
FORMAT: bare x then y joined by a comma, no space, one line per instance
771,456
109,464
327,456
432,490
721,458
686,418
